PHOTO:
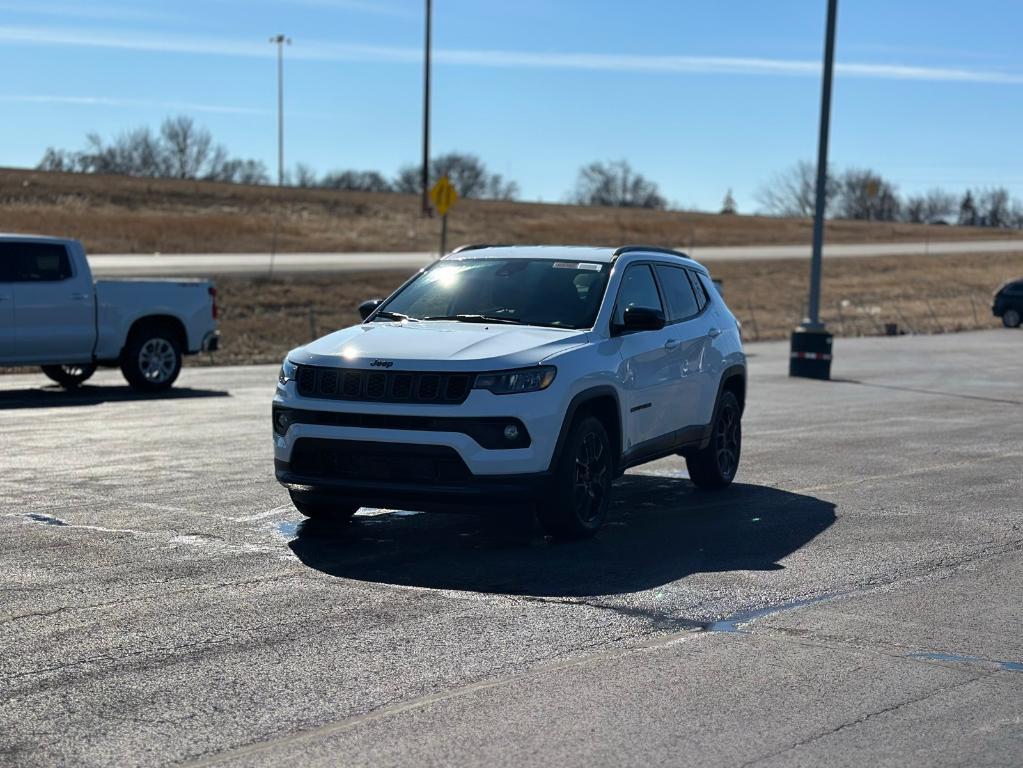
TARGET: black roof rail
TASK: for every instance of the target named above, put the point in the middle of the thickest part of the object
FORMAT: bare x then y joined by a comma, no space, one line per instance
476,247
649,249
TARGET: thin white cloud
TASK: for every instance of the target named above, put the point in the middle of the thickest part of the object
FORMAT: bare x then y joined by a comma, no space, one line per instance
603,62
105,101
85,11
360,6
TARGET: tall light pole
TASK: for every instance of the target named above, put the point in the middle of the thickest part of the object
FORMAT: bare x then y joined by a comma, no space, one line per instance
426,112
280,41
810,354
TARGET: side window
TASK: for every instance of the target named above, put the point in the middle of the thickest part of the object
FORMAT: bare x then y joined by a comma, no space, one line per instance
698,289
7,264
678,293
34,262
638,289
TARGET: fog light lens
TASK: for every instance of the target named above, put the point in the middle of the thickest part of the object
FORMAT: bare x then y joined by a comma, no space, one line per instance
282,420
511,432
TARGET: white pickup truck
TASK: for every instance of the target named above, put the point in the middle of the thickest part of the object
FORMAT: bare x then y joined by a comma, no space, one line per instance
54,315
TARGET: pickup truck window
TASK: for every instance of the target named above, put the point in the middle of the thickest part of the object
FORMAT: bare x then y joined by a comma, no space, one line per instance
33,262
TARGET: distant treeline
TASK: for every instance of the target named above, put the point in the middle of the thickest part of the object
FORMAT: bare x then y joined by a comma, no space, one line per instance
866,195
183,150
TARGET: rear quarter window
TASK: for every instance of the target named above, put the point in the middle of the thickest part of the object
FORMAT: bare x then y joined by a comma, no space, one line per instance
34,262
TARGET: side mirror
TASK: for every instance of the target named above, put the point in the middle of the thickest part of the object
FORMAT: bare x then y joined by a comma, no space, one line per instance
642,319
367,307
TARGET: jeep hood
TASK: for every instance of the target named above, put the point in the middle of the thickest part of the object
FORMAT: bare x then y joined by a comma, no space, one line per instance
437,345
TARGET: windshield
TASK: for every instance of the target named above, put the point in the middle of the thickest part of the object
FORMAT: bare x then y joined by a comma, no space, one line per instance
558,294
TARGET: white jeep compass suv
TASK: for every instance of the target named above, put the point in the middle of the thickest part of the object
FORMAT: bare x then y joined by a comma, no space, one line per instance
501,375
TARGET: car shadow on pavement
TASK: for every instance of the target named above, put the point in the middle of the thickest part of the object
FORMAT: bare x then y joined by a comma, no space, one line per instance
659,530
56,397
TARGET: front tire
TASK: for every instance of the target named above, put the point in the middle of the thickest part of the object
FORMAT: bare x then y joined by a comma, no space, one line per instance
69,376
151,360
333,512
577,506
714,467
1011,318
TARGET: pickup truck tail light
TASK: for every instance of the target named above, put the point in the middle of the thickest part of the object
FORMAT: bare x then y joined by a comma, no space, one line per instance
213,295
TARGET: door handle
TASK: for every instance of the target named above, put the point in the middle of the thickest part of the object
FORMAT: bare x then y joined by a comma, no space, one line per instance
671,343
79,296
714,332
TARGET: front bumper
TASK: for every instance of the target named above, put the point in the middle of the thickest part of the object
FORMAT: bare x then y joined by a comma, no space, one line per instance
472,493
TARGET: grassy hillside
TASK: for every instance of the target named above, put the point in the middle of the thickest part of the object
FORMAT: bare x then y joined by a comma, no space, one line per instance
114,214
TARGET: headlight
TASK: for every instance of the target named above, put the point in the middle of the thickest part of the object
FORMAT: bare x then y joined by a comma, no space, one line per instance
288,372
524,380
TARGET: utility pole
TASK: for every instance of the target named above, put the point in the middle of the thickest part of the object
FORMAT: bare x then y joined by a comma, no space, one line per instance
426,112
280,41
810,354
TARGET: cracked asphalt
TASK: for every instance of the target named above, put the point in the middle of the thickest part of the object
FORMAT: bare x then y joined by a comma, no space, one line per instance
856,598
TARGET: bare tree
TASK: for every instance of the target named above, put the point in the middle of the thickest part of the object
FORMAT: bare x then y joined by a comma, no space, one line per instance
362,181
188,147
941,206
793,192
305,176
994,207
617,185
865,194
467,172
181,150
914,209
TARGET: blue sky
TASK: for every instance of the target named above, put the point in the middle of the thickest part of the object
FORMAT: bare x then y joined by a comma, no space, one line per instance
698,96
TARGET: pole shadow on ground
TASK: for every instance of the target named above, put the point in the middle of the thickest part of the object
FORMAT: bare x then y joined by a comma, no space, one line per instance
57,397
659,530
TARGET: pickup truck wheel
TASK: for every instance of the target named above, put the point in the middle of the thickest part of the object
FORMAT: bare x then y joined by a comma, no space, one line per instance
581,492
151,360
69,376
1011,318
715,466
338,512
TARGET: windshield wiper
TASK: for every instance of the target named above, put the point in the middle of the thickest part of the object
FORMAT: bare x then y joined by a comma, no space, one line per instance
388,315
476,319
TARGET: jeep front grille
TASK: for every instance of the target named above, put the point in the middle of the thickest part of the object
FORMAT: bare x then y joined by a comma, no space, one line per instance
383,386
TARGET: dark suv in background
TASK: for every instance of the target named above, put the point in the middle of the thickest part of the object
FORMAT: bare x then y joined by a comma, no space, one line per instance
1008,303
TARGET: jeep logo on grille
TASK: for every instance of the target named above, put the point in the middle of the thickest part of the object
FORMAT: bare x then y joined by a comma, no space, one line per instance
382,363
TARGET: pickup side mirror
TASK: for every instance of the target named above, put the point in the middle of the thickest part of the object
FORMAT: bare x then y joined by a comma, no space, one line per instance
642,319
367,307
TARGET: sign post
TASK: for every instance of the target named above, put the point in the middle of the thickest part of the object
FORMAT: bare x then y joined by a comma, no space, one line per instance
444,195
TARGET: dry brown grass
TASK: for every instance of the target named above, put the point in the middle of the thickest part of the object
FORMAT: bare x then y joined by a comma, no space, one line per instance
263,319
116,214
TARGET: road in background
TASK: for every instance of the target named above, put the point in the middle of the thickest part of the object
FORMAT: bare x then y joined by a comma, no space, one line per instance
852,600
201,264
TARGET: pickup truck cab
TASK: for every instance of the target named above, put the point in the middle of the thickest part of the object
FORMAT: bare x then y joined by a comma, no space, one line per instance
54,315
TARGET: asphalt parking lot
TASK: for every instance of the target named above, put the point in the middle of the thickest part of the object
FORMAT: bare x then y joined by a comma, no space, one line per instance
855,599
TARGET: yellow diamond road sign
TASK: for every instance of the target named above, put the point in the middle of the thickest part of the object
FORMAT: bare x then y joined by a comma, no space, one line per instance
443,195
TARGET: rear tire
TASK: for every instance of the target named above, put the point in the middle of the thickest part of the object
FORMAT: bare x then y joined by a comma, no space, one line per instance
1011,318
333,512
581,490
69,376
151,360
714,467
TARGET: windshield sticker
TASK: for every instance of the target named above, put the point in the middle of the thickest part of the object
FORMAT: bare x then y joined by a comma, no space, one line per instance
575,265
594,267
